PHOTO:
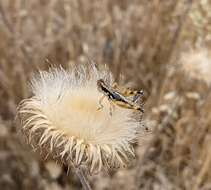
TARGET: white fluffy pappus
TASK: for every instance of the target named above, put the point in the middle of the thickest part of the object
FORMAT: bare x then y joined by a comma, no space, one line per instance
197,65
63,117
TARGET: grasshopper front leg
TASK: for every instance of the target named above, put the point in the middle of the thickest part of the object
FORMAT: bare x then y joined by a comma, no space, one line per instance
100,103
111,108
138,95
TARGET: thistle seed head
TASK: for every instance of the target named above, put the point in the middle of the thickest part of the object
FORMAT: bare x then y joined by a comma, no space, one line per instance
62,118
197,65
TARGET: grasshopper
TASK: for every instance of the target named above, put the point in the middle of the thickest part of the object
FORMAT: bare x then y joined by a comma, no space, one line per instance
121,99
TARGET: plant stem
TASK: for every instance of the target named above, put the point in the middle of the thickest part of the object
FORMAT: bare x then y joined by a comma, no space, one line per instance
79,172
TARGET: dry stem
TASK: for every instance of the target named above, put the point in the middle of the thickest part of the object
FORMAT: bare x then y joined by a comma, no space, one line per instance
79,172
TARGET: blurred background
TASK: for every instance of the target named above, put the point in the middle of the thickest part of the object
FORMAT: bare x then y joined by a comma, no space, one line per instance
162,47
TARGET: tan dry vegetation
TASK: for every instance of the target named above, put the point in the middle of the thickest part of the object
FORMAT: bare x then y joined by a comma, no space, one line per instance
140,40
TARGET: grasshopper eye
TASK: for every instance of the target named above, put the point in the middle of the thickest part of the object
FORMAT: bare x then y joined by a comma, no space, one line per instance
141,92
